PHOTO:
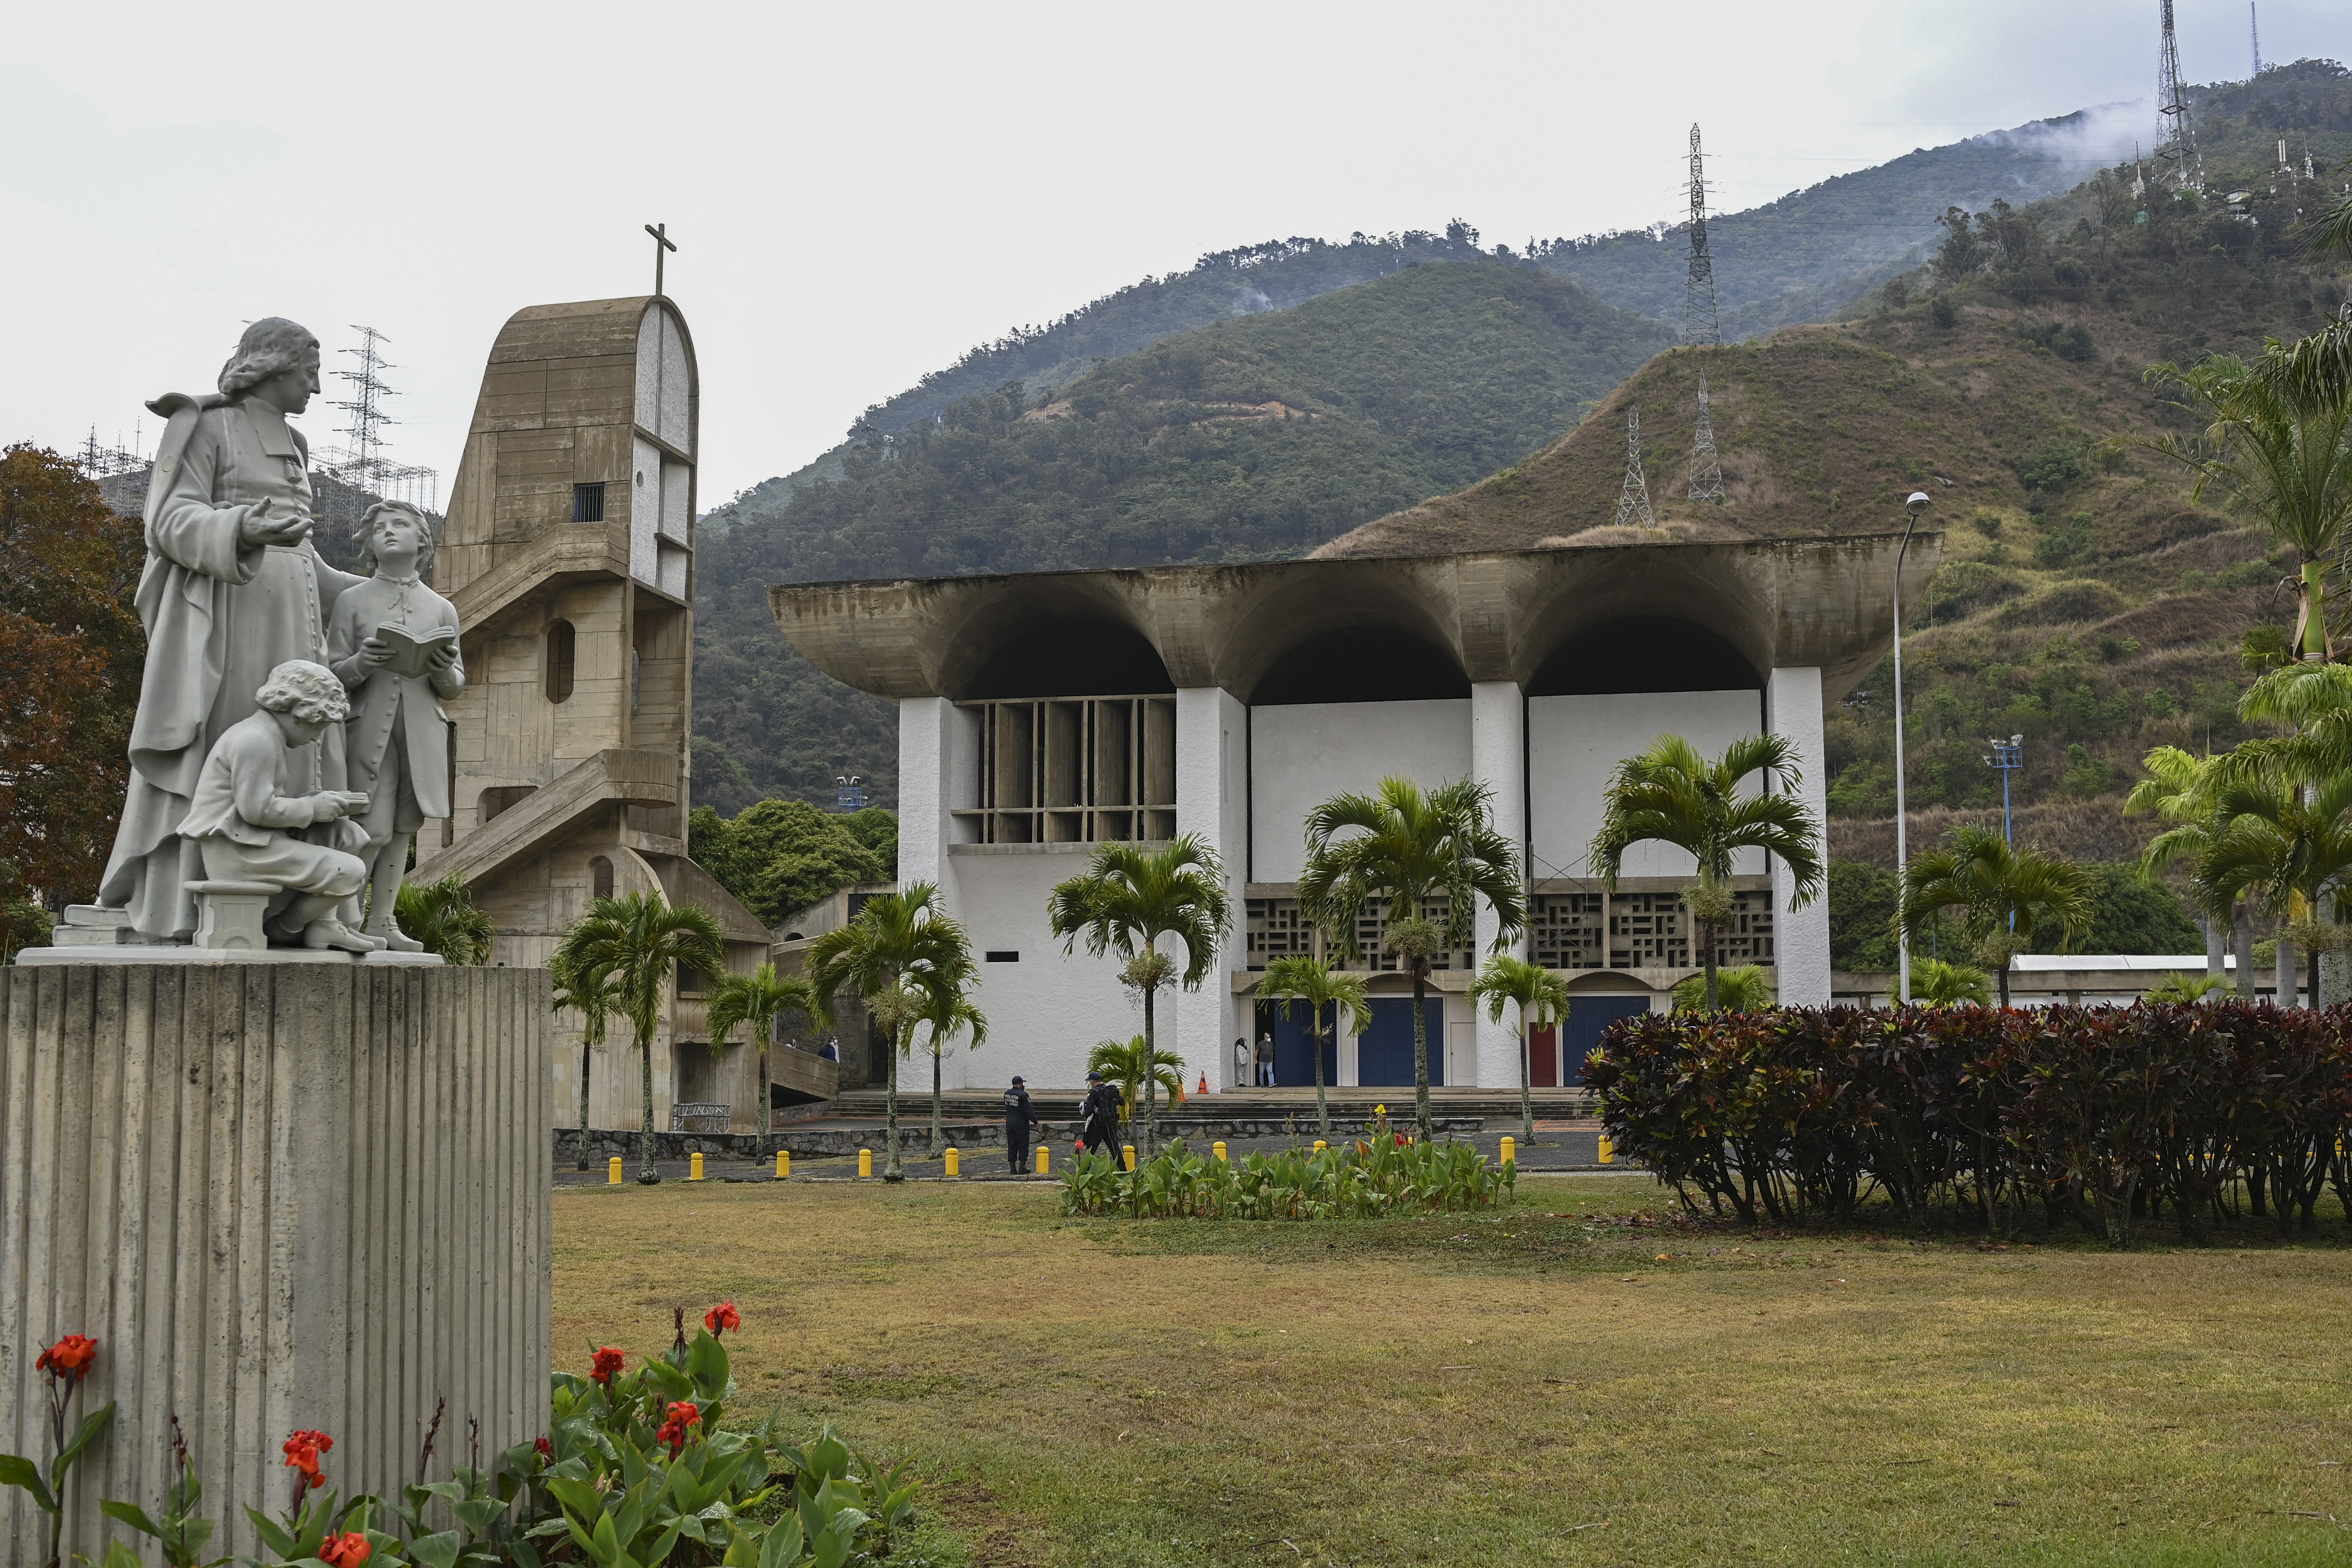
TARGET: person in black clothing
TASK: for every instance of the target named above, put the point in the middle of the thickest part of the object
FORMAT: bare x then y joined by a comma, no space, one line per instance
1100,1116
1019,1118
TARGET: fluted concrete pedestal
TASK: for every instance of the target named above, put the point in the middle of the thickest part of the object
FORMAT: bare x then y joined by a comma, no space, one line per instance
279,1196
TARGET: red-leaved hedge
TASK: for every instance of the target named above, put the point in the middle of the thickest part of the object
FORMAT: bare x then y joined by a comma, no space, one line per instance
2107,1114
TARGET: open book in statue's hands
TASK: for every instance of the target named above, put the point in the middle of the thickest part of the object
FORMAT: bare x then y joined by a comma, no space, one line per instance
409,656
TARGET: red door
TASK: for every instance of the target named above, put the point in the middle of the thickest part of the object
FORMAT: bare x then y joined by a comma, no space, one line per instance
1543,1056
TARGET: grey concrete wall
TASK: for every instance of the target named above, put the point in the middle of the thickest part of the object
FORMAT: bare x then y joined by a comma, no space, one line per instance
279,1196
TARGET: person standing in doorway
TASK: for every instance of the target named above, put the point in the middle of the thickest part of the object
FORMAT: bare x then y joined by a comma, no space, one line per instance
1243,1061
1019,1118
1265,1061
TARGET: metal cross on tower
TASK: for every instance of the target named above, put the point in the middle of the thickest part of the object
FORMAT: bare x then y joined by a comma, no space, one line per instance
1705,473
662,241
1634,500
1699,324
2179,144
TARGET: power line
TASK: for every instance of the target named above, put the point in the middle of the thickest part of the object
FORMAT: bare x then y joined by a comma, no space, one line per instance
1706,473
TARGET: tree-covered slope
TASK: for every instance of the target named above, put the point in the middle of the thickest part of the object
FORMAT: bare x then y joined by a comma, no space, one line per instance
2084,600
1252,439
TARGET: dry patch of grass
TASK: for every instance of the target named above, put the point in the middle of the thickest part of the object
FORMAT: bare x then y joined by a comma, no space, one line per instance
1548,1385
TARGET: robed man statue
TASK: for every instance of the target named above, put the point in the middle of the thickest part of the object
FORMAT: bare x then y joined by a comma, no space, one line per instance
232,590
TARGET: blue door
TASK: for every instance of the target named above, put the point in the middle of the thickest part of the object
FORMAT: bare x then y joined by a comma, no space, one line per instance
1294,1045
1384,1051
1587,1016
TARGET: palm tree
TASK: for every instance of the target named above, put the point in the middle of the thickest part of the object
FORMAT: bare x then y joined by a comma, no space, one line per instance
1126,900
1409,849
908,960
2002,894
1671,793
1321,987
759,1000
1139,1069
2293,845
1542,998
2279,444
948,1016
640,940
595,993
442,916
1937,982
2180,789
2320,366
1744,989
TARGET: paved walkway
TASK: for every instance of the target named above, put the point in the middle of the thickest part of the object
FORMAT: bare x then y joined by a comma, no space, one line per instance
1557,1146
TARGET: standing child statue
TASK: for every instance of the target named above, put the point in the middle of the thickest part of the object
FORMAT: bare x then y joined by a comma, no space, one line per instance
393,642
245,823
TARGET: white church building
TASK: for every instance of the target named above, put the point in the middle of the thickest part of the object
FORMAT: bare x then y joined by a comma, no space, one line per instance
1040,714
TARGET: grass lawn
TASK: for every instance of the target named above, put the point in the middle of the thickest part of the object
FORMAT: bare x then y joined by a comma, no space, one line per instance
1539,1385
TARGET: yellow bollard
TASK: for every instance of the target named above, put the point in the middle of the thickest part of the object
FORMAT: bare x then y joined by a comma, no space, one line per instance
613,1171
694,1166
1510,1150
1321,1145
866,1161
1218,1148
1127,1152
783,1164
1608,1155
955,1161
1045,1160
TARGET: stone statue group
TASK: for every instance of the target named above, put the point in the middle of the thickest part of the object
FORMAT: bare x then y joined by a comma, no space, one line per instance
289,739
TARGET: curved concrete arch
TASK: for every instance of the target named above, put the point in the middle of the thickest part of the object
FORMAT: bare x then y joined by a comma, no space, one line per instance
1276,615
973,628
1636,581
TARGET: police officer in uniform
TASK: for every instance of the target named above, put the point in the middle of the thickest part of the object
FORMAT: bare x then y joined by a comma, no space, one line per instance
1100,1116
1019,1118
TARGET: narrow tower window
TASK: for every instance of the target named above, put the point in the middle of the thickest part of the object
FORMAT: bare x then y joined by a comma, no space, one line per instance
588,502
561,641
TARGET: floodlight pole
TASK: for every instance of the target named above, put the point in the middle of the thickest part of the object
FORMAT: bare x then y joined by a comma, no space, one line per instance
1915,506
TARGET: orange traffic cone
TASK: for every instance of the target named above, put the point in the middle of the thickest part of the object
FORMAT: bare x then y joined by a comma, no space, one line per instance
1204,1083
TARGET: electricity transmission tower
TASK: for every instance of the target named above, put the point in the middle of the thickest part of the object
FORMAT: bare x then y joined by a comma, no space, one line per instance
366,408
2255,26
1699,324
1705,473
2180,141
1634,500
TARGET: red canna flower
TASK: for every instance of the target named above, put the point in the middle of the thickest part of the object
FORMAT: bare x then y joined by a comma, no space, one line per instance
682,1414
722,1317
546,1450
302,1450
608,1366
70,1358
350,1550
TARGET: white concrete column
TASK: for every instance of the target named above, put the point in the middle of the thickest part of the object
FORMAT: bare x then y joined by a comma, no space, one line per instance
938,772
1498,759
1212,803
1792,709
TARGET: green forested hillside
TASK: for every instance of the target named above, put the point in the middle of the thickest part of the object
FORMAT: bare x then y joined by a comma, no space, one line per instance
2083,601
1252,439
1271,433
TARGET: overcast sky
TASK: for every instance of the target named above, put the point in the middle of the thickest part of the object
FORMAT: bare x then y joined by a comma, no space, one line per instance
860,194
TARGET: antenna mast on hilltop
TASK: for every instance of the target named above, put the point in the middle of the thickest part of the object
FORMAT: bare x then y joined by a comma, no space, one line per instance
2179,144
1706,474
1699,324
2254,24
1634,500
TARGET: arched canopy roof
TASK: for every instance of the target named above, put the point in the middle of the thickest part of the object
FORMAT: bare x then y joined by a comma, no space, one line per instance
1498,616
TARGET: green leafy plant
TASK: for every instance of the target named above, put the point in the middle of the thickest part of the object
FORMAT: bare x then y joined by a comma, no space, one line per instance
1382,1173
442,915
2002,894
1742,990
63,1366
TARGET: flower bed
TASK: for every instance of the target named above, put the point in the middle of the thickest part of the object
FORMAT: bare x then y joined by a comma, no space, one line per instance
1376,1174
2105,1115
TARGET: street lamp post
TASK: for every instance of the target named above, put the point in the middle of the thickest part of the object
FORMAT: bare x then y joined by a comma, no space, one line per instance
1915,506
2008,756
